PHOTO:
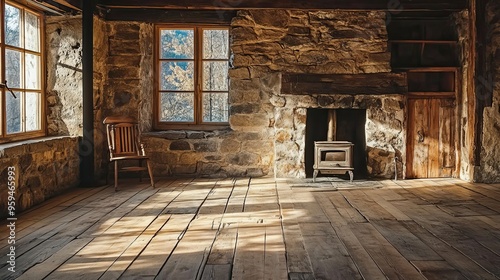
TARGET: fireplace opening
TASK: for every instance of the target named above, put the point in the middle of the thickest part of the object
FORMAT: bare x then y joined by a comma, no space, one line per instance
348,125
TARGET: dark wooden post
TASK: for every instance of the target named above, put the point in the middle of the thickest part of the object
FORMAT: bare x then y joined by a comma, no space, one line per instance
87,150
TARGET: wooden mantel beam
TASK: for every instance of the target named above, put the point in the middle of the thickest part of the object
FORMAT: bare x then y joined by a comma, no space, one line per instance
388,5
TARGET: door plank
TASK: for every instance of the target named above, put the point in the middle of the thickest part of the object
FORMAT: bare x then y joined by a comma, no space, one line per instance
432,138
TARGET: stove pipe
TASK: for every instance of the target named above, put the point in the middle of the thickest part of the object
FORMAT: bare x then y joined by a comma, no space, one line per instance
332,122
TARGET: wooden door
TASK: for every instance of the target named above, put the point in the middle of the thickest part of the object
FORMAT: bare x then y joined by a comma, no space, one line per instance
431,138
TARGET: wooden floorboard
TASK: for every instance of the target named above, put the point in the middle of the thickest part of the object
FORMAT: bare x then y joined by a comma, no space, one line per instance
261,228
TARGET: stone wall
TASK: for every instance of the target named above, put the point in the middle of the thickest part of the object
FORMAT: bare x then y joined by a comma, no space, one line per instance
464,145
44,168
267,128
489,169
268,43
64,80
64,75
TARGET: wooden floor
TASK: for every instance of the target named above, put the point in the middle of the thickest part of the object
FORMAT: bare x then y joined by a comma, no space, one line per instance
262,229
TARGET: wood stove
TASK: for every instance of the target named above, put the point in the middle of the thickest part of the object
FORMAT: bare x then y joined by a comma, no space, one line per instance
333,157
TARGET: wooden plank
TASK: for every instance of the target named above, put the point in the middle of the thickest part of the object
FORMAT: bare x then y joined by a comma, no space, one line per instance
41,270
275,263
432,138
312,229
331,212
217,272
149,262
187,261
407,244
249,257
366,206
426,5
329,258
390,261
393,210
467,209
121,264
346,211
301,276
420,129
435,221
366,265
410,139
222,252
438,270
102,251
372,83
174,16
465,265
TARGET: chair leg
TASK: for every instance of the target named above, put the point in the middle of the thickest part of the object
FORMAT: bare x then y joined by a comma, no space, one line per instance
140,172
116,175
107,173
150,171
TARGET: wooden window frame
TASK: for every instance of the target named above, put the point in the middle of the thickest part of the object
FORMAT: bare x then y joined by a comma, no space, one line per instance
23,135
198,123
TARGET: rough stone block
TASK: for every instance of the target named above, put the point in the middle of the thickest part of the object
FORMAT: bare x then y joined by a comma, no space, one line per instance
206,146
207,168
180,146
230,146
244,159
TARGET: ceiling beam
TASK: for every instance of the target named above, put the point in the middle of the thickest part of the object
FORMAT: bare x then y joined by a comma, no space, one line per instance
73,4
388,5
171,16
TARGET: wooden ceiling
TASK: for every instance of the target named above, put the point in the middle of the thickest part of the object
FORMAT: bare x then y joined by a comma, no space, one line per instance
153,10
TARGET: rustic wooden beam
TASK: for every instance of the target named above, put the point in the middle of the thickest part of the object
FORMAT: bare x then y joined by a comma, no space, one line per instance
390,5
376,83
74,4
170,16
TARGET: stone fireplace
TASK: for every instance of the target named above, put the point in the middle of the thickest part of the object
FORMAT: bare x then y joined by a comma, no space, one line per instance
376,121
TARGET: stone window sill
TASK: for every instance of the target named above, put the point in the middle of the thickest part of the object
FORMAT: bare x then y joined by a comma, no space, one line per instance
186,134
12,145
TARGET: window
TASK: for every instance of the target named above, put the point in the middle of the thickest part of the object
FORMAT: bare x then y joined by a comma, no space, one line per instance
21,70
192,74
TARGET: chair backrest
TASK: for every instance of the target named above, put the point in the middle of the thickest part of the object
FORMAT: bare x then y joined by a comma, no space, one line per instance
123,137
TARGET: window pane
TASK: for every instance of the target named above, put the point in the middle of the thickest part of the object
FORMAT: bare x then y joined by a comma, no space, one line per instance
32,111
215,107
13,112
13,68
215,75
12,26
177,44
32,71
32,32
177,76
177,106
216,44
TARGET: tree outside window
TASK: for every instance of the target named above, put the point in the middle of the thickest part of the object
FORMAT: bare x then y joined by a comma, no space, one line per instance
192,73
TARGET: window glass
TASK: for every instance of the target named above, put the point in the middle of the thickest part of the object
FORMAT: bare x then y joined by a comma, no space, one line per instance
177,106
12,26
193,78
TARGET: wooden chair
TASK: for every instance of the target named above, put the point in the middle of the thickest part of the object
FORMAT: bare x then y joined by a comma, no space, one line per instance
124,144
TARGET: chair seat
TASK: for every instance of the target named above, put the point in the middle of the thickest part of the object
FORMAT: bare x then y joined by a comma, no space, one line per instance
134,168
128,157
